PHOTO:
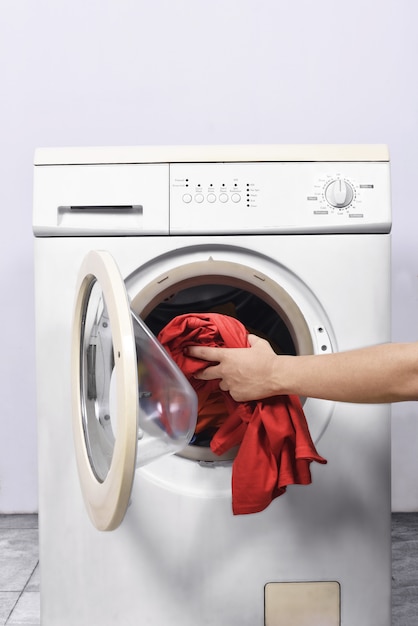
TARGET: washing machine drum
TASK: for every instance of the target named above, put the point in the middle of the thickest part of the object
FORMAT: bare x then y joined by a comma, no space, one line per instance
266,297
254,313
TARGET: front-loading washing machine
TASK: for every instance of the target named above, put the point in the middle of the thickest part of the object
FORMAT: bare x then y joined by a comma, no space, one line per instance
135,518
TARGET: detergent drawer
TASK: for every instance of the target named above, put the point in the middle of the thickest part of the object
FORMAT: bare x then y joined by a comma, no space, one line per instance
109,199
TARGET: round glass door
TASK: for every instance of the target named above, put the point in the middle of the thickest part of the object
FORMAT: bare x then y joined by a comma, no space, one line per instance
131,404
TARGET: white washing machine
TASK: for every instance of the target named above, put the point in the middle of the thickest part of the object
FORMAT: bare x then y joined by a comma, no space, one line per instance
136,525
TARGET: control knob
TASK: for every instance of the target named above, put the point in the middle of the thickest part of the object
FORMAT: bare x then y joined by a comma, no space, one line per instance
339,193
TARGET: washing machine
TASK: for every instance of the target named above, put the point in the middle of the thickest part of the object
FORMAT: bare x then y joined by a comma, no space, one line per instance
135,518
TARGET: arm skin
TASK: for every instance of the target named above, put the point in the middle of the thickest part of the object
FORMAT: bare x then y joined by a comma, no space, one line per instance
377,374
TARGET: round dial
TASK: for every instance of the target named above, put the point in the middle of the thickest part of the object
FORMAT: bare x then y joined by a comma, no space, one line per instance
339,193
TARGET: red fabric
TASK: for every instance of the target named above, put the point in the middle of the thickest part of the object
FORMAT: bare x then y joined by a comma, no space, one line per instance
276,448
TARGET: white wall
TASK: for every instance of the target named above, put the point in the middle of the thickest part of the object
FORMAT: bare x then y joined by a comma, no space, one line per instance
126,72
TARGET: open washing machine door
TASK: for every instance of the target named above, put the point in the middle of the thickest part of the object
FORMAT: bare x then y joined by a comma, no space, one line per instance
131,403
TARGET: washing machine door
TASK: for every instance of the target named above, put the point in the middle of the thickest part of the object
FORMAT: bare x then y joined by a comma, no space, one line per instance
131,403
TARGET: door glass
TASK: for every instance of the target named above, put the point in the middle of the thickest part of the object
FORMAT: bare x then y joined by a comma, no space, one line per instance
97,384
167,404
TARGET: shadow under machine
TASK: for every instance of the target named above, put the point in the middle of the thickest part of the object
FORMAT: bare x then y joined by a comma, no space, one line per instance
135,515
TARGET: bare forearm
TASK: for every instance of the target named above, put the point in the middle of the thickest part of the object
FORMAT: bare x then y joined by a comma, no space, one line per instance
383,373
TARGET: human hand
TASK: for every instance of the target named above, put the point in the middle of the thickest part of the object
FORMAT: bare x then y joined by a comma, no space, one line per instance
247,373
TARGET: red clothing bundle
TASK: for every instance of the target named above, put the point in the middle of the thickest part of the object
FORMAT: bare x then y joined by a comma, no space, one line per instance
276,448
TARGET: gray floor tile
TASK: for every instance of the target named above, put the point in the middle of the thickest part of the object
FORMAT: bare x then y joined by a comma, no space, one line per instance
26,611
18,521
8,600
404,569
19,555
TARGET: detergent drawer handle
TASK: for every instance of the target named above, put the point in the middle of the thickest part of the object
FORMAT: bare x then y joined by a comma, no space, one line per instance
99,208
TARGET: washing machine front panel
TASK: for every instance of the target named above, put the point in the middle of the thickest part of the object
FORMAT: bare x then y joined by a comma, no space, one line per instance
179,543
131,404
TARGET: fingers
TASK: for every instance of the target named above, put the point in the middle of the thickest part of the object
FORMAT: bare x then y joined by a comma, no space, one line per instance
209,373
204,353
212,355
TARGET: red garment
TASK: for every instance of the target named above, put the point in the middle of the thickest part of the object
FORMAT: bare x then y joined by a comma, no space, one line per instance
276,448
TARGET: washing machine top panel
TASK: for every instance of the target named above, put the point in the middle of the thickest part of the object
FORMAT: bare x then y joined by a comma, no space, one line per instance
212,190
211,153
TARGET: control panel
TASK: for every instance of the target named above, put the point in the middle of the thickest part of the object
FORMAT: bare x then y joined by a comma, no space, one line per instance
279,197
214,197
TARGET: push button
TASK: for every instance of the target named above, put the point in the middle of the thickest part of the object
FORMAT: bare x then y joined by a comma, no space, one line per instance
199,197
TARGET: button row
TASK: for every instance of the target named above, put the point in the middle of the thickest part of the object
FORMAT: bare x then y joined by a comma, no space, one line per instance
211,197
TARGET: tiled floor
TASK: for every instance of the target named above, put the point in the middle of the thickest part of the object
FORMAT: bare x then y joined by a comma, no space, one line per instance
19,570
404,569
